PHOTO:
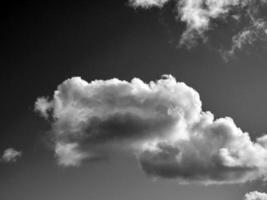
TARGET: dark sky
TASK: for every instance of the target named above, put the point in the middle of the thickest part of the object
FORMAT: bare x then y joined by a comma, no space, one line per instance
44,43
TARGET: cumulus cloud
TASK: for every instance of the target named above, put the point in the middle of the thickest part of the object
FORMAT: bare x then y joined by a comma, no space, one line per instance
43,105
202,16
161,122
255,196
10,155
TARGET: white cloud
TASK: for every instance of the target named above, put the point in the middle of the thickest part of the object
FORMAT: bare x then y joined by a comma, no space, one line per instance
148,3
43,105
257,31
10,155
255,196
161,122
200,16
216,151
197,14
68,154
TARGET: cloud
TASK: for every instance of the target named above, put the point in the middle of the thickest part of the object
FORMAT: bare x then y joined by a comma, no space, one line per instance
215,151
42,105
69,154
255,196
148,3
204,16
161,122
10,155
257,31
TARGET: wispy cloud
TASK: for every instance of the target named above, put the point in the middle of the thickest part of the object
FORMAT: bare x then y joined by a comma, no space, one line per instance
247,37
148,3
255,196
161,122
202,17
10,155
68,154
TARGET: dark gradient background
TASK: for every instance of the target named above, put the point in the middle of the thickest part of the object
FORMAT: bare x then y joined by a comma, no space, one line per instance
44,43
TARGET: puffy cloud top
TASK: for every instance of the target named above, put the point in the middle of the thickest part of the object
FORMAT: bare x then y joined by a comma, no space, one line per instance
255,196
161,122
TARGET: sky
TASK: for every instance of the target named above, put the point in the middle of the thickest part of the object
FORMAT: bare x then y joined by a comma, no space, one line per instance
139,99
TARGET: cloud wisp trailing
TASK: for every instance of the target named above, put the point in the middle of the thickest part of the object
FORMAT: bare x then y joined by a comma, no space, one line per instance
204,16
161,122
10,155
148,3
255,195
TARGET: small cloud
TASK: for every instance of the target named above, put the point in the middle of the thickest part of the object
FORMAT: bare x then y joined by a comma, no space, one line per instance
147,3
68,154
10,155
43,106
256,196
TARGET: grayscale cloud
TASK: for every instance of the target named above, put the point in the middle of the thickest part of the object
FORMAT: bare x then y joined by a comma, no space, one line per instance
148,3
203,17
68,154
161,122
10,155
256,32
255,196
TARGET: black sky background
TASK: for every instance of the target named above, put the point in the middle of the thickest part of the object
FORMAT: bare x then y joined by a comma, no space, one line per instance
45,42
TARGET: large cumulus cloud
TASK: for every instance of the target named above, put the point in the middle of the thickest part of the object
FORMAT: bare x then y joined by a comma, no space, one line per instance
161,122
